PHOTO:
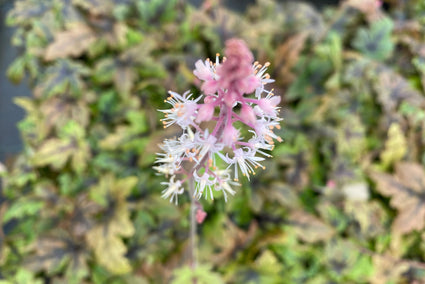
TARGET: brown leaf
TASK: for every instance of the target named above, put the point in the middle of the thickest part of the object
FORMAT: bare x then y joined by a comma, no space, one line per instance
52,251
386,269
309,228
72,42
58,111
371,8
234,239
287,56
407,190
393,89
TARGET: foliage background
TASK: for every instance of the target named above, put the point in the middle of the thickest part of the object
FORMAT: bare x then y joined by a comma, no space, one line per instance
342,201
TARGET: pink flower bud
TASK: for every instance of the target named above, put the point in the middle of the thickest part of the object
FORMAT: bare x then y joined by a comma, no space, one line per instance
230,135
249,84
237,69
230,99
331,183
210,87
248,115
209,99
200,215
205,112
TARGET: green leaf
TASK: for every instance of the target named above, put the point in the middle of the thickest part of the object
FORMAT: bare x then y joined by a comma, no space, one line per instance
23,276
202,274
395,146
64,76
25,12
105,238
16,70
309,228
24,206
376,42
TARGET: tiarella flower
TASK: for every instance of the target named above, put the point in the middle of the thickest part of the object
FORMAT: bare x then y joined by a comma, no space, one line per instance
234,92
172,190
204,182
206,71
182,111
208,146
223,183
206,112
246,161
269,105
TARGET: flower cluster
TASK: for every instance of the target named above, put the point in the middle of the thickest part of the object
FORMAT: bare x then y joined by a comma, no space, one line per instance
234,94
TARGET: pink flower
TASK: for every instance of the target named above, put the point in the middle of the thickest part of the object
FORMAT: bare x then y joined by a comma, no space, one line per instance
237,69
236,81
210,87
205,112
248,115
230,99
200,215
230,135
203,71
268,105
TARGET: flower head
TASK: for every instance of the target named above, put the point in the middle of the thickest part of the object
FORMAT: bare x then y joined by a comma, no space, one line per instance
234,92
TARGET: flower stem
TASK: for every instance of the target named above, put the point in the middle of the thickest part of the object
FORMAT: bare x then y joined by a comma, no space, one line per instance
193,245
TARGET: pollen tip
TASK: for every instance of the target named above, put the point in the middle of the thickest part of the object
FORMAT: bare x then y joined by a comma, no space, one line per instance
267,64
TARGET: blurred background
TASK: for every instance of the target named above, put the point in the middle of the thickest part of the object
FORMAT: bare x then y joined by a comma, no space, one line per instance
342,199
10,114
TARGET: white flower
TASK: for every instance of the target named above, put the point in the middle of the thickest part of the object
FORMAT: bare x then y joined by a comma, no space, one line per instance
259,144
260,73
183,110
223,183
172,190
207,145
202,183
246,161
264,129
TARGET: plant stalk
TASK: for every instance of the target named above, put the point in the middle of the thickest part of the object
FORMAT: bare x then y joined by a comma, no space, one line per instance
193,245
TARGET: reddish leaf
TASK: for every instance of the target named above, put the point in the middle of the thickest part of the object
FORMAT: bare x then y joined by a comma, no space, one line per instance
407,191
72,42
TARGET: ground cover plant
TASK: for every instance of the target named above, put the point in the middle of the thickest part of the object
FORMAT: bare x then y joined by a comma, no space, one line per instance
341,201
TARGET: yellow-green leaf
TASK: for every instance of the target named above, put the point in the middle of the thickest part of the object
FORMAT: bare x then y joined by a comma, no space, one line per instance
395,146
